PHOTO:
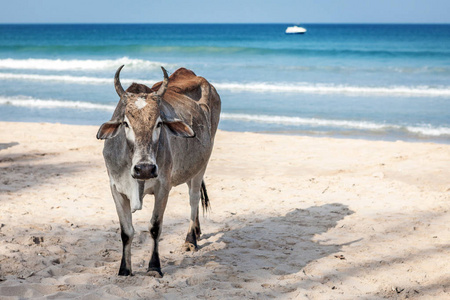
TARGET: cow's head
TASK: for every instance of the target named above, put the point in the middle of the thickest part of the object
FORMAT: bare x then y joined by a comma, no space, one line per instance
143,117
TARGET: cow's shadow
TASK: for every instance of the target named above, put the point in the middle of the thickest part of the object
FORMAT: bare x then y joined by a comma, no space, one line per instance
271,246
8,145
33,167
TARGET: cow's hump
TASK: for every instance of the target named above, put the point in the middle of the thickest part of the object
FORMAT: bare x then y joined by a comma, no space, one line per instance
182,81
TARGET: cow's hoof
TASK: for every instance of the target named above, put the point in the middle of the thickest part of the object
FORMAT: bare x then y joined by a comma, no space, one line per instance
155,272
125,272
190,247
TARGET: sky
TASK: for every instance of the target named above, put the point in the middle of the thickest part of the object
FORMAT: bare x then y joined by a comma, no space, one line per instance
225,11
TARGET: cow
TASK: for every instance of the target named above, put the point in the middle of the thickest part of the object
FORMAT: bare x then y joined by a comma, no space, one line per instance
158,138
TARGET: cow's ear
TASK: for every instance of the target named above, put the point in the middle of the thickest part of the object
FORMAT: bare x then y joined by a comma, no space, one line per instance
108,130
179,128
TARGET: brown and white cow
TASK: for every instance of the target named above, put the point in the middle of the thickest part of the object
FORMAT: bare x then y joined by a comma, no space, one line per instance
158,138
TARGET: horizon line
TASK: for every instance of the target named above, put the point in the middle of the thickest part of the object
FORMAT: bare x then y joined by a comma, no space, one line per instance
224,23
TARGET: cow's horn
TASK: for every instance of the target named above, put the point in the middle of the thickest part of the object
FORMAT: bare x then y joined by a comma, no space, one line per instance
164,84
119,89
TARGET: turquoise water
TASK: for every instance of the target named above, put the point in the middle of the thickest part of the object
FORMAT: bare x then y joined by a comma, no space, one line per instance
384,82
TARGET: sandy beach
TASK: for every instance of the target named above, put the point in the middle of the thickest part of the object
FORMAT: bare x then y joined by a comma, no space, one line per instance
292,218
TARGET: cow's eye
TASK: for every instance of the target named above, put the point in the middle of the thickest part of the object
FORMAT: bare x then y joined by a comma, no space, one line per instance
126,124
159,125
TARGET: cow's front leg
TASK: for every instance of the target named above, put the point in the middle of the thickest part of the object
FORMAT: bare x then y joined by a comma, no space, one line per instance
126,230
161,196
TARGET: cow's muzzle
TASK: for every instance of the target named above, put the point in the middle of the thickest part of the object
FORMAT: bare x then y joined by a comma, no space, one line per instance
144,171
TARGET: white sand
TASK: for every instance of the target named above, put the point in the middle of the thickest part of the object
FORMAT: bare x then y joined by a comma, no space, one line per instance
292,218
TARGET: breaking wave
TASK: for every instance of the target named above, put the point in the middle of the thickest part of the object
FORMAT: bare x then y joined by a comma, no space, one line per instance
422,130
305,88
71,79
426,130
141,64
24,101
78,65
261,87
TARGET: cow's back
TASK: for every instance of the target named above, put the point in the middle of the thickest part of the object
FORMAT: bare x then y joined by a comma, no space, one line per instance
198,104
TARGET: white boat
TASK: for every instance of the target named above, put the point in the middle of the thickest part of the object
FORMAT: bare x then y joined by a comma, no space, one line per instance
295,30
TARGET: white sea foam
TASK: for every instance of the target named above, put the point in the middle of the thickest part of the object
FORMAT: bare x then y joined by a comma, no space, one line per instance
141,64
77,64
71,79
429,130
306,88
24,101
300,88
425,130
305,121
57,78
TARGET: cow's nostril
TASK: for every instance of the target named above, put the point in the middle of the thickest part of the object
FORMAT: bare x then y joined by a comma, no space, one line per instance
137,169
153,170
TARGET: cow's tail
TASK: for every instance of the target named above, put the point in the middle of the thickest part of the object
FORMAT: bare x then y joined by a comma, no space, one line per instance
204,196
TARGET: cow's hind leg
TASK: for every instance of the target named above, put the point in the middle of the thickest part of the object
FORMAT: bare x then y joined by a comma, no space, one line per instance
194,231
126,230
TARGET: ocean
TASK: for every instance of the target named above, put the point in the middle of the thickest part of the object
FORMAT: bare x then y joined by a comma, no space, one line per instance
380,82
